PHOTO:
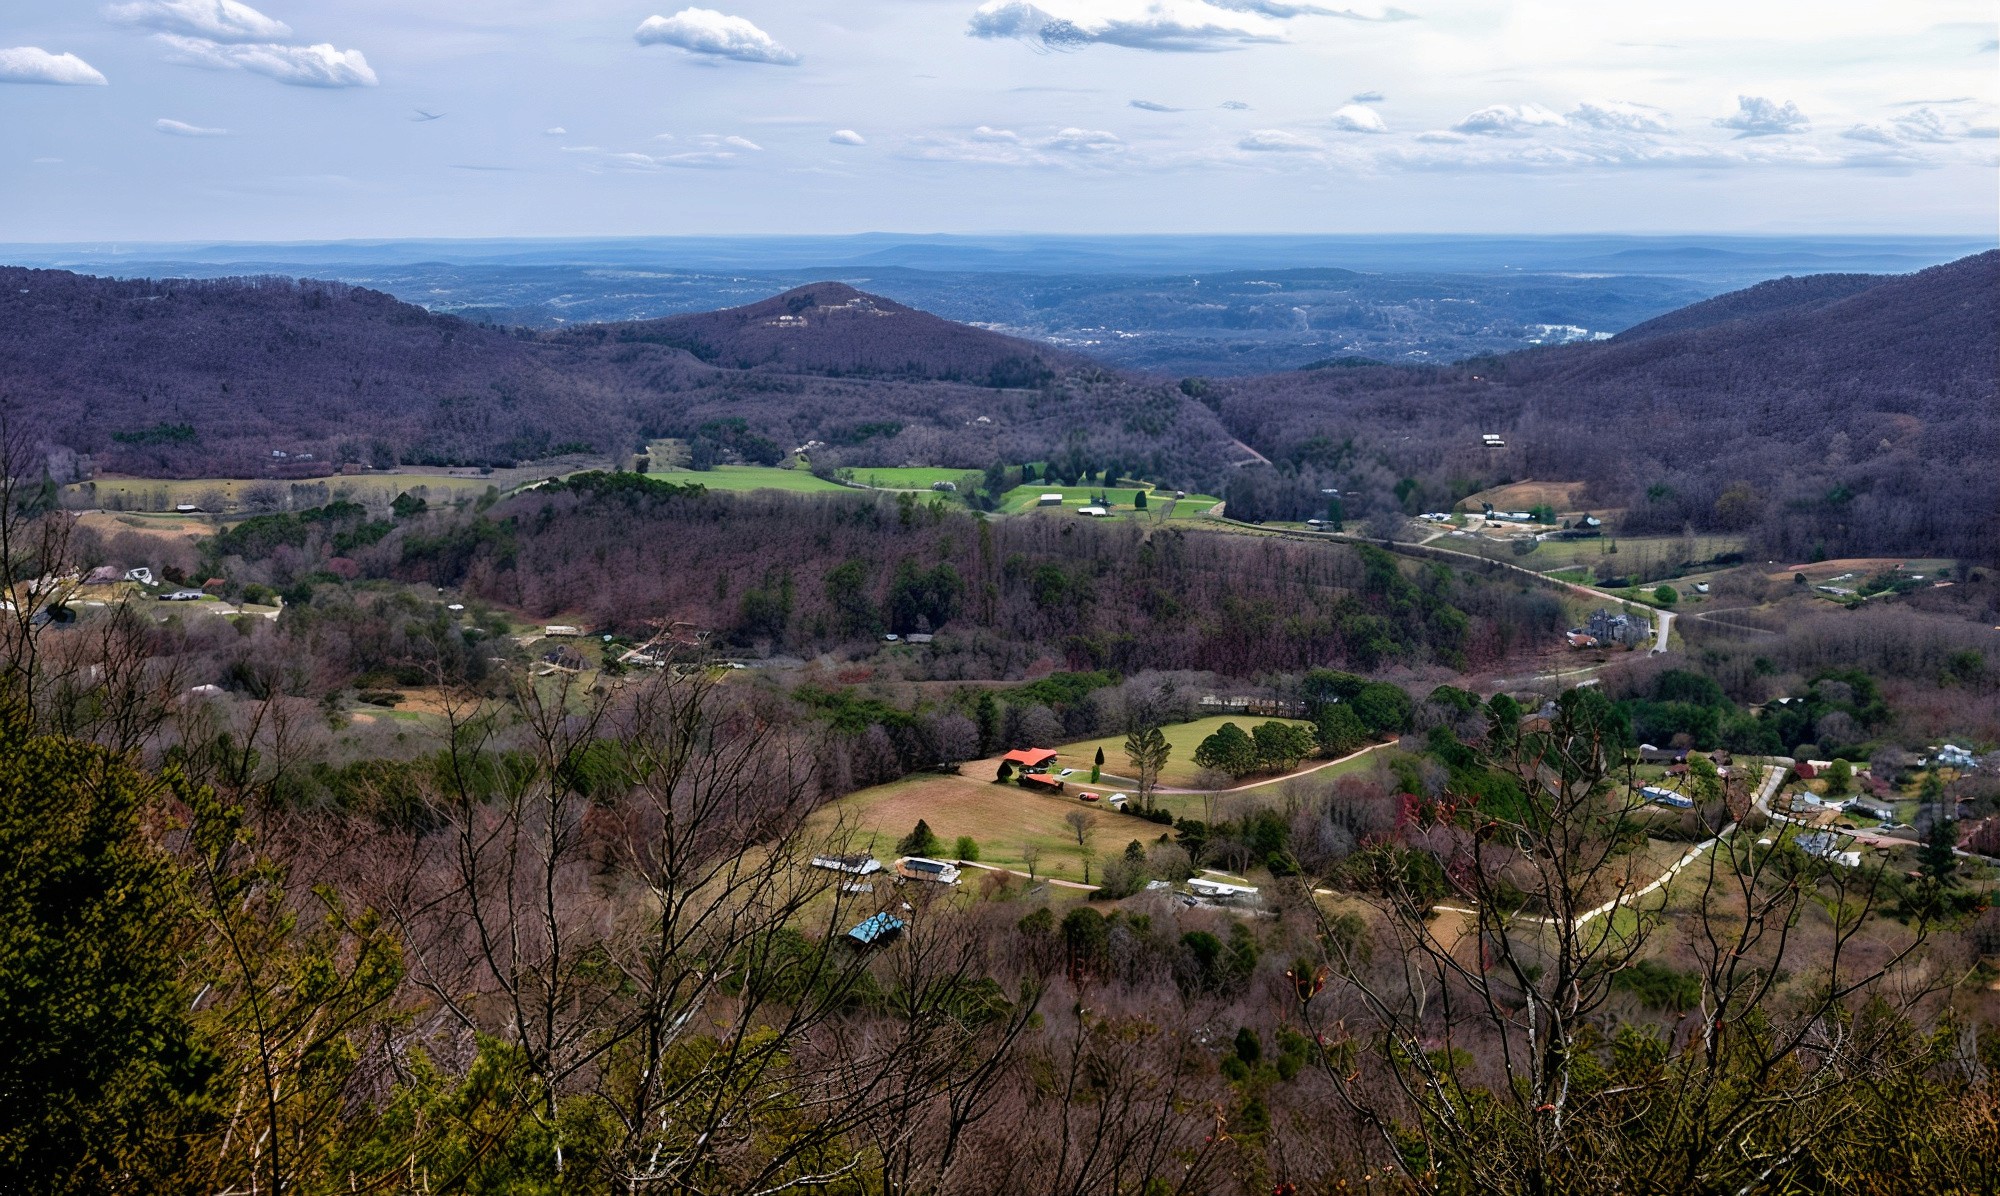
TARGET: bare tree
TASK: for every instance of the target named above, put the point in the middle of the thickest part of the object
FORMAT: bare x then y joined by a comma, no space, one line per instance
1081,824
1479,1043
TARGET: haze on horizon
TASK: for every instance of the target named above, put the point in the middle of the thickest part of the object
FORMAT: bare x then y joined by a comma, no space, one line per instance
170,120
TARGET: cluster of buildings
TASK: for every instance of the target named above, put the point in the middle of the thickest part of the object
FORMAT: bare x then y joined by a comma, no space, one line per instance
1606,629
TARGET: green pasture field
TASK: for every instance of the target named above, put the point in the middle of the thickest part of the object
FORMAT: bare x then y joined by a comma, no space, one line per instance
913,477
752,477
1180,772
1028,498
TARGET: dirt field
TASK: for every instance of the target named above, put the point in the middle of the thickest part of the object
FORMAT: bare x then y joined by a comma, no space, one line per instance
1863,565
170,527
1520,496
1000,818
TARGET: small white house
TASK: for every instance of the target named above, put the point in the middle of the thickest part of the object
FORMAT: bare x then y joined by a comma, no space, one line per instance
1667,797
858,864
561,631
1049,500
1093,512
1222,893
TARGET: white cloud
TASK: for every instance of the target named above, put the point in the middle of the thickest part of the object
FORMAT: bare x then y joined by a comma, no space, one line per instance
1084,141
321,65
558,131
1353,118
1283,10
1756,116
718,35
706,151
215,20
1366,97
1153,106
180,128
1235,105
1923,125
32,64
1277,141
1620,116
1507,119
847,137
990,134
1177,25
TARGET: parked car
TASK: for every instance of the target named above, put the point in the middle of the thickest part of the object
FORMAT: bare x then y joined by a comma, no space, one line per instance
1087,797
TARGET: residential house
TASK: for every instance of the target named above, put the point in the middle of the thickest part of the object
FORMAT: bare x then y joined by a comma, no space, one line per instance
1828,846
1049,500
877,931
561,631
857,864
1581,639
1031,759
1667,797
1041,782
1630,630
1868,806
937,872
1222,893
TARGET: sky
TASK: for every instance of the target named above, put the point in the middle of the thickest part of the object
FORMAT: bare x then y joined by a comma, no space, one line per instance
168,120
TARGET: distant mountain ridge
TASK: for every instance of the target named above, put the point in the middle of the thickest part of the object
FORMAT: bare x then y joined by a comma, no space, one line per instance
832,328
276,377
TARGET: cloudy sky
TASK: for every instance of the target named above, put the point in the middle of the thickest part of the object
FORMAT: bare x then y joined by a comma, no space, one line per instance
310,119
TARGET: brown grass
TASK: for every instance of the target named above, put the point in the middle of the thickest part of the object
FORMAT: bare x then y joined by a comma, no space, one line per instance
1519,496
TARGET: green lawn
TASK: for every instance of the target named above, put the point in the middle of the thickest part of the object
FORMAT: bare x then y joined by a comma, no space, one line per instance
753,477
1028,498
1557,554
1180,770
914,477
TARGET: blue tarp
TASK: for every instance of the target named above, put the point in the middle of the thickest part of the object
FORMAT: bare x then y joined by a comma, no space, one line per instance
878,929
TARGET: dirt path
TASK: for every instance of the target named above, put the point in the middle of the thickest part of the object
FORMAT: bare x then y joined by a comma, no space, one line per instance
1124,780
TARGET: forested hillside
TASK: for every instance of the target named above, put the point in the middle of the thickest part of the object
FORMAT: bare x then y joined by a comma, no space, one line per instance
831,328
1815,422
803,578
1833,416
211,378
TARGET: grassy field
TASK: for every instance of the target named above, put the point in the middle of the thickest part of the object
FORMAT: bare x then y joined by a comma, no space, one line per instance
753,477
1520,496
164,494
1180,770
914,477
1028,498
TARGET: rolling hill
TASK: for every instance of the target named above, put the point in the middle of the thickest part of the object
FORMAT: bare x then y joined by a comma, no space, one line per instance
275,377
1829,415
832,329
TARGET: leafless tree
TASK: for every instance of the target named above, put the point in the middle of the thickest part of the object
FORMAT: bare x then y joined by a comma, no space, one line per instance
1478,1019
